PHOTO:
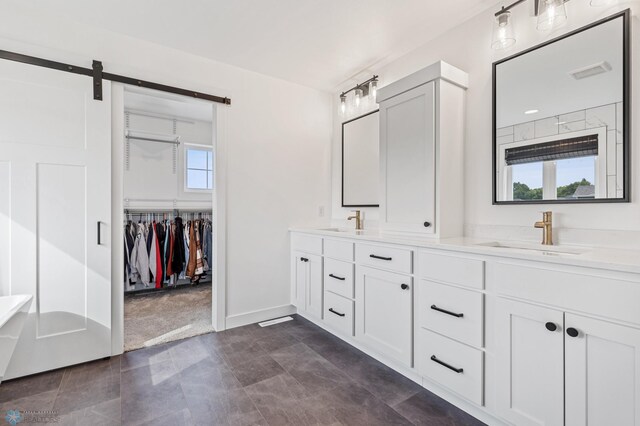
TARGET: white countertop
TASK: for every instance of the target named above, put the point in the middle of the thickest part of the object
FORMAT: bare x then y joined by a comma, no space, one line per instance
586,256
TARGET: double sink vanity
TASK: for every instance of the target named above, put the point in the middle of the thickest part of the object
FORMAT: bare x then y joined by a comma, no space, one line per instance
512,332
503,330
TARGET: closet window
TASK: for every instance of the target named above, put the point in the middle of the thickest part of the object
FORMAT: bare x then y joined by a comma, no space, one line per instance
199,169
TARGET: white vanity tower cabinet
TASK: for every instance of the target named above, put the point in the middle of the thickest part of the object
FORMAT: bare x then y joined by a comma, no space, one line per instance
421,152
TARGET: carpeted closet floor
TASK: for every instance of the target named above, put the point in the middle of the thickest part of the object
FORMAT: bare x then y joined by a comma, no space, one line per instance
160,317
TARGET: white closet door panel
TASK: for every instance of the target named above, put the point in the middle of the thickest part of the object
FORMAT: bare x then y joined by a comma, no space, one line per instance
601,365
61,249
56,108
55,160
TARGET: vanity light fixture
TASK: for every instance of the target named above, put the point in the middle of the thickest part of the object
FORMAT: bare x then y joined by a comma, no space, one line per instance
373,89
360,90
503,36
358,97
550,13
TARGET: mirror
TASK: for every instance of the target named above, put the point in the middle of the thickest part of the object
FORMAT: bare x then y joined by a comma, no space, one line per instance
360,161
561,118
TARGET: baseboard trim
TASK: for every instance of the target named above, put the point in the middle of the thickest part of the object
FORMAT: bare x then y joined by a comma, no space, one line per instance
253,317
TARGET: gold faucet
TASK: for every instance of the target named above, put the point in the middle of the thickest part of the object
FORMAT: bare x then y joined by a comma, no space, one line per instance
357,218
547,229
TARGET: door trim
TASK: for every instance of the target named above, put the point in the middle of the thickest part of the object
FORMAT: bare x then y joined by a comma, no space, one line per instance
219,205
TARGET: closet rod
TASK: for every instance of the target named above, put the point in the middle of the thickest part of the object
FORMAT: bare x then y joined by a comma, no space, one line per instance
140,138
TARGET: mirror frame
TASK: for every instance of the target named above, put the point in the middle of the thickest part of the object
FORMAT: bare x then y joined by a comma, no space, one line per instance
342,165
626,99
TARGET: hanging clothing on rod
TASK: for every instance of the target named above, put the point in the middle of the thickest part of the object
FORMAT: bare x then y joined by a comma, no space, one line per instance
162,252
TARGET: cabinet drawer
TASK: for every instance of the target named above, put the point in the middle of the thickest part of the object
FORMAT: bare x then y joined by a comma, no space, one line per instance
338,313
451,311
306,243
452,364
338,277
385,257
451,269
338,249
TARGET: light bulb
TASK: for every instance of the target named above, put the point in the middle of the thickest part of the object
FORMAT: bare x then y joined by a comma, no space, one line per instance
358,98
503,35
551,13
373,90
343,104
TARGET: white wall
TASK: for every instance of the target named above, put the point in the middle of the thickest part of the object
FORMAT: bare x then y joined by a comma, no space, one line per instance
468,48
278,142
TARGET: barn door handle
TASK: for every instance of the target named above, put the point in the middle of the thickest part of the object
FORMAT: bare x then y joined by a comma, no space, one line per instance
99,234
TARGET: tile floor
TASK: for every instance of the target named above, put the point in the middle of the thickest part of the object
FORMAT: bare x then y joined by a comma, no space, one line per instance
292,373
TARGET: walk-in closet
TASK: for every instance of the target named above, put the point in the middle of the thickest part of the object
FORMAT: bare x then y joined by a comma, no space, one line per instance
167,230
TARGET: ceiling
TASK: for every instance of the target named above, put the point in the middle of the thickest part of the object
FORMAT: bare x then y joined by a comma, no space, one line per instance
321,44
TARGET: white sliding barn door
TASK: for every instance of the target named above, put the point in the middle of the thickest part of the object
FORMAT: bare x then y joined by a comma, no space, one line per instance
55,194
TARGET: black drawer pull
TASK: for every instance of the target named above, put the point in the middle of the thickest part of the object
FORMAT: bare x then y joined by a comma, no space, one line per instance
404,286
337,278
572,332
444,311
444,364
380,257
551,326
304,259
335,312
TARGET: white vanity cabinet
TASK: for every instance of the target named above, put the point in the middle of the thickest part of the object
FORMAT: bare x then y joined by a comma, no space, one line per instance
568,348
559,368
421,135
384,313
306,274
527,340
530,364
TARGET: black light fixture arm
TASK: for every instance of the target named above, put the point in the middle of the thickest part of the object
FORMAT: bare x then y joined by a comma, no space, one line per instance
363,84
507,8
517,2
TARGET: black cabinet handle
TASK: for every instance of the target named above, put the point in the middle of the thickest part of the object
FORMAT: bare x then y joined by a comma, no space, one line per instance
444,364
572,332
427,224
304,259
380,257
99,234
444,311
335,312
337,278
551,326
404,286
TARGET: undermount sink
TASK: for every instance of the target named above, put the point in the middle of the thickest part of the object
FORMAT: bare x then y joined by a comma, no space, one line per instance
545,250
